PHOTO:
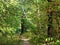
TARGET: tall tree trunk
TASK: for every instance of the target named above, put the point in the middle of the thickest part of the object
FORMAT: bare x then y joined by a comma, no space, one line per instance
22,17
50,20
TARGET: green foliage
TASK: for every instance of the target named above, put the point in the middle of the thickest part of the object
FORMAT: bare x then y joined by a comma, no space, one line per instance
57,42
10,40
34,14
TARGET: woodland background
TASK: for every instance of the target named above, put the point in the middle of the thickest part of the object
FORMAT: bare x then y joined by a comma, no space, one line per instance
38,20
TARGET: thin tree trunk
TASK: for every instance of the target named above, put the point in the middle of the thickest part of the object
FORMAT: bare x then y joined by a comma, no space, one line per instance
22,26
58,29
38,17
50,28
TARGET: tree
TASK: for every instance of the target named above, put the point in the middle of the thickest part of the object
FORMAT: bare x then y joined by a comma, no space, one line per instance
9,15
23,17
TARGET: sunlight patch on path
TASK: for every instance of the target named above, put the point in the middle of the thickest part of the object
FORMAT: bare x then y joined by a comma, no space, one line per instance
25,39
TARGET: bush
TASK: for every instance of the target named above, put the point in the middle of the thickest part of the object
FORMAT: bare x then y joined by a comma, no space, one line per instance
10,40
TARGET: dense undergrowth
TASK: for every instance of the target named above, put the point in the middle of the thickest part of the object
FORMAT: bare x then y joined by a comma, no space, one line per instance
10,40
38,40
41,39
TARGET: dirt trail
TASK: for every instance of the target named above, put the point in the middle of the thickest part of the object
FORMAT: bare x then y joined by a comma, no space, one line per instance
26,42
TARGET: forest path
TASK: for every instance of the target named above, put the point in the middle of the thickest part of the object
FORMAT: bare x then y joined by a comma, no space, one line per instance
26,42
